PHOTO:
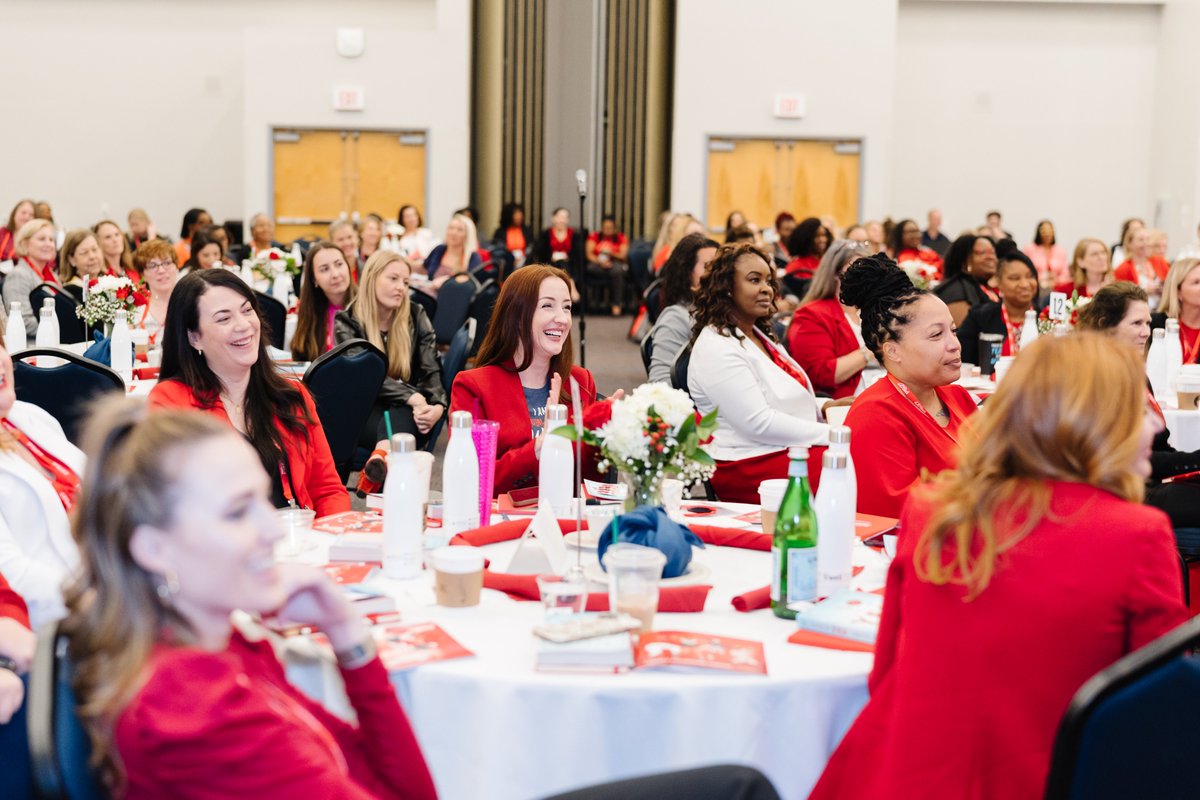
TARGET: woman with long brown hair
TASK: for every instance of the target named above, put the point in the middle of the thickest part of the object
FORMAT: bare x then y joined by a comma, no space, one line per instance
177,532
1090,269
1032,558
118,259
325,289
523,365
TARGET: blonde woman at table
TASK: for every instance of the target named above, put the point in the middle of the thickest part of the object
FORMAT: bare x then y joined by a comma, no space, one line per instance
1181,301
906,425
39,478
215,360
177,533
1090,269
118,258
325,289
764,399
1033,557
35,250
79,261
1122,311
156,261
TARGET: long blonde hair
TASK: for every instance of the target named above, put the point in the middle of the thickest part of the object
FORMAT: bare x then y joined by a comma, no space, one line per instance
1078,273
1044,423
1169,304
115,614
365,309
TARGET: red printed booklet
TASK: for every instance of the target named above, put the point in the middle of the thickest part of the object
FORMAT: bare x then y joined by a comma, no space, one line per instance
350,522
406,646
672,650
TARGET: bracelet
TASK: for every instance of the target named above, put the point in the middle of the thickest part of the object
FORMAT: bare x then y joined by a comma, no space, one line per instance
358,655
8,664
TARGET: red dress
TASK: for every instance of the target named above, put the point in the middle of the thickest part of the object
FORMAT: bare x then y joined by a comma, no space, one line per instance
819,335
893,443
228,725
313,472
495,393
966,697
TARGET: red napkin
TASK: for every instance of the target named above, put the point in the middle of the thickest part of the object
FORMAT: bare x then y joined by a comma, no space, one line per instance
670,599
503,532
814,639
753,600
732,537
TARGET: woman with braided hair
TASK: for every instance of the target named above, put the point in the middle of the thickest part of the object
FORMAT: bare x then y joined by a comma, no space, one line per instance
905,426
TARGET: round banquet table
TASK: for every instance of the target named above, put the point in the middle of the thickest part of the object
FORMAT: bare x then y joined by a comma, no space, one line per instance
492,726
1184,427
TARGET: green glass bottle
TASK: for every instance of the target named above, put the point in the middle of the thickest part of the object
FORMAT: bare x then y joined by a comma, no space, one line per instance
794,546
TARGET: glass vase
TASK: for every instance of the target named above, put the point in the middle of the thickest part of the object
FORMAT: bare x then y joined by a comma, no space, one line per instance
644,489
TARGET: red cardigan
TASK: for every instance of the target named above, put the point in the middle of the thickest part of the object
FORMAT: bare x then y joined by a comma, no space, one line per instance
966,697
495,393
12,606
892,443
229,725
819,335
309,460
1126,271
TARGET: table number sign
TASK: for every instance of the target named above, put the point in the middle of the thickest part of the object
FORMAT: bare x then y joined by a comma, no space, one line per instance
1058,306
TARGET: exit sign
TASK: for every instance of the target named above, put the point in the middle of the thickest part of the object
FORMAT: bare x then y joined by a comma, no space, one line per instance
789,105
349,98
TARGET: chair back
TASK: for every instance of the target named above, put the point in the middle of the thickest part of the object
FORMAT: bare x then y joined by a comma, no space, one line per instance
65,390
482,306
679,370
345,384
647,348
274,313
452,363
454,306
71,329
59,748
427,302
652,298
1130,731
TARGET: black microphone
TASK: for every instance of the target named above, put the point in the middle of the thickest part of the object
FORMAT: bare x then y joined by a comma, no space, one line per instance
581,181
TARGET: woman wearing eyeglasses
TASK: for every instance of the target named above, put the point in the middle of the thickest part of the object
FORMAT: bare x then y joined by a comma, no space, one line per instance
825,337
157,263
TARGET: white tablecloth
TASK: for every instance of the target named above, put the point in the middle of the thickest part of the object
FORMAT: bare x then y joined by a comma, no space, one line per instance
493,727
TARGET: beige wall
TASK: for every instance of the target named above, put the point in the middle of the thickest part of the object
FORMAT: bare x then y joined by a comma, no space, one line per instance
167,105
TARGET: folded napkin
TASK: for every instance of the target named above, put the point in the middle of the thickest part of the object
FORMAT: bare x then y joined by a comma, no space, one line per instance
732,537
503,532
753,600
814,639
651,527
670,599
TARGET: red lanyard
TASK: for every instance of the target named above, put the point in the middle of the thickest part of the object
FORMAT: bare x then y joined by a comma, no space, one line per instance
1155,407
63,478
1013,333
988,292
907,394
142,323
47,272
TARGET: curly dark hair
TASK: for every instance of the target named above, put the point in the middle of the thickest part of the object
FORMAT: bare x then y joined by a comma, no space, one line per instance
714,298
676,274
960,252
803,240
1109,306
880,290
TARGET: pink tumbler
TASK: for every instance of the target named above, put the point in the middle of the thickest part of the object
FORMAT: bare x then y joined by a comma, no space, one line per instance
484,433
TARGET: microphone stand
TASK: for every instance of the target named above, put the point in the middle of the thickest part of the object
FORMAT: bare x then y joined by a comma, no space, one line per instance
581,264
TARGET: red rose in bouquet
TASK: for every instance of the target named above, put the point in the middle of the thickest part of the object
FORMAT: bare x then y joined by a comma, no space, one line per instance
597,415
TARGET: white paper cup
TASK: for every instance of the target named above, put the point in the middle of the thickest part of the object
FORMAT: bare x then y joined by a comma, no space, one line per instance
458,576
837,415
770,495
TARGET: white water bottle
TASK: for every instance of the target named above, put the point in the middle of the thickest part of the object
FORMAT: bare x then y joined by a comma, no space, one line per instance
839,442
1029,330
556,466
48,303
1156,365
121,348
281,288
460,479
835,510
47,333
14,334
1174,354
403,511
296,254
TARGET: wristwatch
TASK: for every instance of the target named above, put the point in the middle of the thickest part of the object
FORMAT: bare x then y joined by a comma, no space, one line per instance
8,664
358,655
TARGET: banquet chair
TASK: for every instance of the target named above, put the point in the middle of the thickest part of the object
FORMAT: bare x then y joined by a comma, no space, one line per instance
482,306
1130,731
679,370
1187,545
454,306
59,747
65,390
452,363
647,349
274,313
71,329
344,384
721,782
428,303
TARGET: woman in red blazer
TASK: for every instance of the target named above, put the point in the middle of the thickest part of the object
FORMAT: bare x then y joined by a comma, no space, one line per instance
215,360
825,337
1018,577
176,531
523,365
1146,270
906,425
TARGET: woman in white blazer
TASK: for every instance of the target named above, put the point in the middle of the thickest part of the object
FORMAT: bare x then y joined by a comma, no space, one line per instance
764,400
38,465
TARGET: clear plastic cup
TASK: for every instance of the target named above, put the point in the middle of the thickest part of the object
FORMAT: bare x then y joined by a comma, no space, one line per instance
561,598
633,575
296,523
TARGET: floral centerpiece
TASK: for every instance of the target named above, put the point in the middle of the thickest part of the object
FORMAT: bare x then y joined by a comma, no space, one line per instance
269,264
108,294
653,433
922,274
1071,310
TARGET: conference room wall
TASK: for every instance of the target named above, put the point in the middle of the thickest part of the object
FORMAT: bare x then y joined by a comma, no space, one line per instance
167,105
